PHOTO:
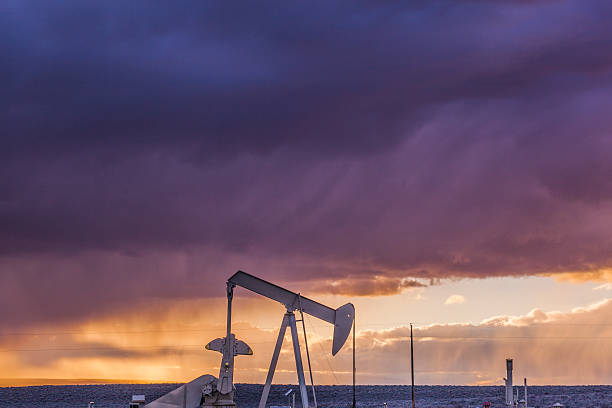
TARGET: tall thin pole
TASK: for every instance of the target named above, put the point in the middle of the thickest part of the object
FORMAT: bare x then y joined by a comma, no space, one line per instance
226,372
354,367
412,365
298,360
314,394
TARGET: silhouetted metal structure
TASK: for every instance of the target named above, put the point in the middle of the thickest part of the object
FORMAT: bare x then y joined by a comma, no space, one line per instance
208,391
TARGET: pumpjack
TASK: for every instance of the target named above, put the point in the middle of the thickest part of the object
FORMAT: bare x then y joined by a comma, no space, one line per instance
209,391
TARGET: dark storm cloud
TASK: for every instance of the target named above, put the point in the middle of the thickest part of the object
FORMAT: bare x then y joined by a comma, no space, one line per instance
149,150
222,79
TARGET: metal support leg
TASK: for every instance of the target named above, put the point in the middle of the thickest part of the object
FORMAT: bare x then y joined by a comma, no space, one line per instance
277,349
298,361
314,394
225,384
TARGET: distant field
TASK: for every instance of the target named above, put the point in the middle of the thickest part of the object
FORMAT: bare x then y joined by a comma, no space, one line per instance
23,382
247,396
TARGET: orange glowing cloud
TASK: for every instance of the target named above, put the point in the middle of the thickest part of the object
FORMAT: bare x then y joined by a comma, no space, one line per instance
548,348
166,344
596,275
377,285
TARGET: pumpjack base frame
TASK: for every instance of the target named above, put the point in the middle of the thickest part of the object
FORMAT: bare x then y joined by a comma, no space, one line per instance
288,320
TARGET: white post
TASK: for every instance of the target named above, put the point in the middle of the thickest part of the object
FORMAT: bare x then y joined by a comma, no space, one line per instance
225,384
298,360
525,388
509,393
516,398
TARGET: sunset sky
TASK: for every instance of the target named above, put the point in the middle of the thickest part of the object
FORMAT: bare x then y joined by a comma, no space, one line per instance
443,162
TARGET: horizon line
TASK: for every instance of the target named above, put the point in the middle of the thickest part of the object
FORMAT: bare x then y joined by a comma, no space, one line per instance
33,382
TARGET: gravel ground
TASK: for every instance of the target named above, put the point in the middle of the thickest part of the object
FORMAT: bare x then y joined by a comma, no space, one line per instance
247,396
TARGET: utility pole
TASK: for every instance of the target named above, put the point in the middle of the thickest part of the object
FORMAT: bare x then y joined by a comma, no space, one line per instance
354,367
412,365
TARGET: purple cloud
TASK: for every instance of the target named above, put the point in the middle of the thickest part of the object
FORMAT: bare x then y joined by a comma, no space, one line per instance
150,151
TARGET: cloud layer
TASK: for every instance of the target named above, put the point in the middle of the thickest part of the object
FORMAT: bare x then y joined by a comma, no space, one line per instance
149,151
454,300
547,348
156,345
